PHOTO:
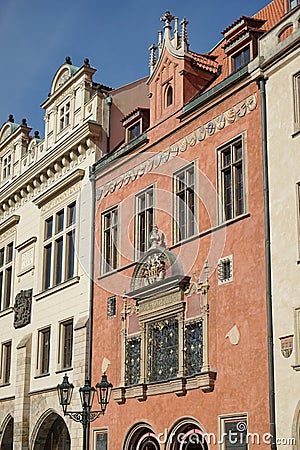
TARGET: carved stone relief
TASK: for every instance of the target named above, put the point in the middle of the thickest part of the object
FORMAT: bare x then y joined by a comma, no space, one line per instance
22,308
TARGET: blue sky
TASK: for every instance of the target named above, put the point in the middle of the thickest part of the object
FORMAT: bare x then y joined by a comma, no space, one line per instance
37,35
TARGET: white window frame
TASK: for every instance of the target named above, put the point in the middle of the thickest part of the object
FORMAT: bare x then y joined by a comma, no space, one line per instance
99,431
296,88
222,279
7,165
191,218
41,351
222,419
61,242
222,168
110,233
62,344
5,361
297,338
8,265
146,193
64,115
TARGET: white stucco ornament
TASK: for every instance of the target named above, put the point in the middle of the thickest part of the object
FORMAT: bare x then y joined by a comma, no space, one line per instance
234,335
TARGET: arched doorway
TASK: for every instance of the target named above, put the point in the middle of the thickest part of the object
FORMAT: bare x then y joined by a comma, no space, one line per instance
53,434
8,435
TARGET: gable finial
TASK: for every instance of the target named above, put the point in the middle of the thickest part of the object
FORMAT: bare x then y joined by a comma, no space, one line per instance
176,36
167,18
184,34
11,118
152,62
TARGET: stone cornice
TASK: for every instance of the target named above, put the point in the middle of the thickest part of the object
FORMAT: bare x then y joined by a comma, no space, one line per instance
51,169
59,186
51,156
8,223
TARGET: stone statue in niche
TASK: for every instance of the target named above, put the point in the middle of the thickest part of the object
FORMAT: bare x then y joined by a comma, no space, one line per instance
22,308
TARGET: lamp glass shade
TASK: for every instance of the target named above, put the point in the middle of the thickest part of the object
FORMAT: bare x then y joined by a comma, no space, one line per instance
87,394
103,392
64,392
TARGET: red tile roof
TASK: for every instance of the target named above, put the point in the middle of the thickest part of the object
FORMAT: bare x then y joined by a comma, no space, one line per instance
206,62
271,14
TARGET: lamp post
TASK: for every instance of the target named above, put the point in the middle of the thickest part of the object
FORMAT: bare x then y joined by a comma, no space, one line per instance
87,392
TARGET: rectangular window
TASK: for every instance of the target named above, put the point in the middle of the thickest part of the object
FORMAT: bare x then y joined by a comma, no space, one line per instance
233,432
225,270
162,350
5,362
293,3
111,307
134,131
156,354
6,271
241,58
64,116
109,240
100,440
184,189
6,167
59,246
143,220
66,344
297,338
44,351
296,81
231,179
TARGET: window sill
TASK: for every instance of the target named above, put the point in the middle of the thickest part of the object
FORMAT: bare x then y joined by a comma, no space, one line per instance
6,311
296,133
58,371
296,367
211,230
179,386
42,375
4,384
57,288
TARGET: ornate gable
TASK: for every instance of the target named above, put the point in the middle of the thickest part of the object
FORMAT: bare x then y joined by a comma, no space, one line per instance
176,73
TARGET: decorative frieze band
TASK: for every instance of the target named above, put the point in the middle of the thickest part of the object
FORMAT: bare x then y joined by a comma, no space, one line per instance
199,134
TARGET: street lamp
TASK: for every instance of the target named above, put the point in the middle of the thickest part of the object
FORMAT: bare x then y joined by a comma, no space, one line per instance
87,392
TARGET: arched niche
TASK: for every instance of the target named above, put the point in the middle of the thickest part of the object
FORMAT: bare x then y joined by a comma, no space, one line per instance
64,73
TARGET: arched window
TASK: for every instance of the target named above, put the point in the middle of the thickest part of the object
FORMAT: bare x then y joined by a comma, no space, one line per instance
169,96
187,435
141,437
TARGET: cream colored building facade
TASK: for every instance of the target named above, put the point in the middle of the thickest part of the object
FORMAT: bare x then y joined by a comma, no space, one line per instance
279,53
45,247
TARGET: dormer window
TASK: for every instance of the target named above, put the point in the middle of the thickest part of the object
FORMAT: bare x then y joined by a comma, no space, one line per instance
241,41
135,123
293,3
169,96
134,131
6,166
241,58
64,116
